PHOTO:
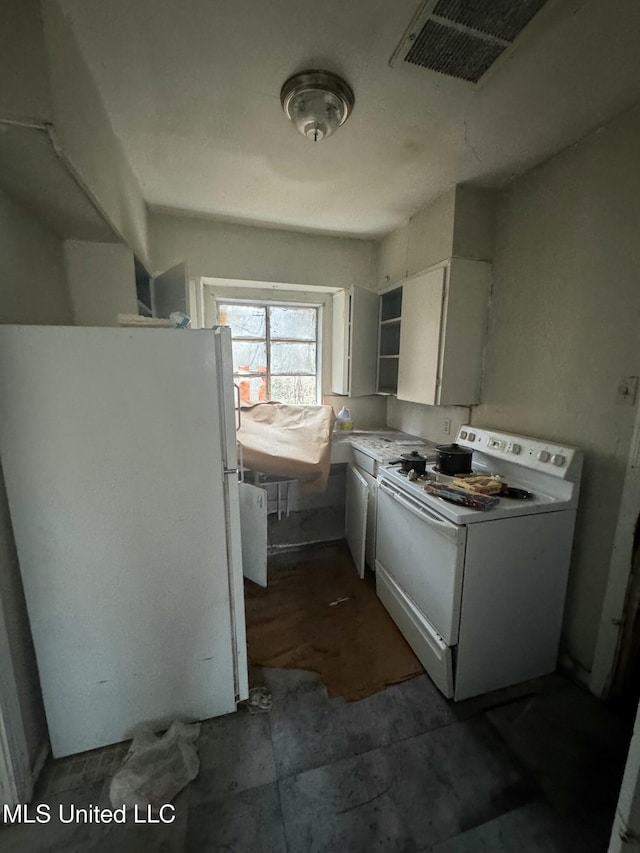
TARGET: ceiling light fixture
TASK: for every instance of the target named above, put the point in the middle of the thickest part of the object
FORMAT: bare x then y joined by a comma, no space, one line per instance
317,102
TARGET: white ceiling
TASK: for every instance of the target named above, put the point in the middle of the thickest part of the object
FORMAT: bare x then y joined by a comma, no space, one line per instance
192,89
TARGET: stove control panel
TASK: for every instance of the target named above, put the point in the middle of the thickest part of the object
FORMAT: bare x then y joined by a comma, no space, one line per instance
496,444
553,459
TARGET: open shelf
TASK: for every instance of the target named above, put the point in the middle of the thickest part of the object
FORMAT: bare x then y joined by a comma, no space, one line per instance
391,305
388,375
389,340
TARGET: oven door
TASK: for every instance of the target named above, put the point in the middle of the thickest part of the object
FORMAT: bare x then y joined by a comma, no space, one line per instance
423,554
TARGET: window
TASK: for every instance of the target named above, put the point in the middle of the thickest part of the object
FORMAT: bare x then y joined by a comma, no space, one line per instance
275,351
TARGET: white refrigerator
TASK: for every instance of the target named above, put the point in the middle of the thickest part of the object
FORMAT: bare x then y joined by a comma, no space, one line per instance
119,455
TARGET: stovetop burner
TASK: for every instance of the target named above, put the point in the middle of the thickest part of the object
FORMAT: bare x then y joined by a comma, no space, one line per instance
419,478
516,494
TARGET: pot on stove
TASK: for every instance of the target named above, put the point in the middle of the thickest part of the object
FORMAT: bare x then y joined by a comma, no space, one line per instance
413,461
452,459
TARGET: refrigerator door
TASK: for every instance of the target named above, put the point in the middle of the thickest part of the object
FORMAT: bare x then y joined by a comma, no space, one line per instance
111,445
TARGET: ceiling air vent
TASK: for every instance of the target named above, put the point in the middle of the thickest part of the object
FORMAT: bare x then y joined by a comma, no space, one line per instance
463,38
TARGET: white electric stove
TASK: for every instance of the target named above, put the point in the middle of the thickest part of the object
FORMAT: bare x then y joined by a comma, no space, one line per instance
479,594
547,471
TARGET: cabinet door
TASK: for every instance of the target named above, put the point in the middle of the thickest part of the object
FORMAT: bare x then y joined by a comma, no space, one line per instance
420,331
372,506
355,521
340,343
253,526
363,347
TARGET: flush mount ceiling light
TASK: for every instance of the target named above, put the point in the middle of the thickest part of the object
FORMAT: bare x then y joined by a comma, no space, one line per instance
317,102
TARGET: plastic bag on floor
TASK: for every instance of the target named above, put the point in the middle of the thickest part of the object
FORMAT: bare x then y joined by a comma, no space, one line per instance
156,768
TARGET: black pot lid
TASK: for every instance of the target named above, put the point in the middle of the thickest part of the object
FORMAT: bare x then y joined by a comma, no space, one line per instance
455,449
413,456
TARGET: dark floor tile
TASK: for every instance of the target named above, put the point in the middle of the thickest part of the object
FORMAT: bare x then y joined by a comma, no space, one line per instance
405,796
54,836
241,823
574,748
471,778
305,727
529,829
134,837
350,805
309,729
79,772
506,695
235,753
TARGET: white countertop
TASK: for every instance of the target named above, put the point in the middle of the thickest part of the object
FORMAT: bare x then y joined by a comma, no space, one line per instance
382,445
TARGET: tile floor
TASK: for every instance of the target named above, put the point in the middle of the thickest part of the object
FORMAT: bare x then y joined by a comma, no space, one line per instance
534,769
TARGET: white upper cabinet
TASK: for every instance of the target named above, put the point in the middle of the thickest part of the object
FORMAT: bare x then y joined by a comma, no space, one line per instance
442,334
355,342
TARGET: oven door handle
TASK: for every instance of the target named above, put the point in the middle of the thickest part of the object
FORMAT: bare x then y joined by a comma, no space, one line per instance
444,527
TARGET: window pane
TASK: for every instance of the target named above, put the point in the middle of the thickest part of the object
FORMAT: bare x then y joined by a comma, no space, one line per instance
293,358
246,321
249,357
296,323
253,389
294,389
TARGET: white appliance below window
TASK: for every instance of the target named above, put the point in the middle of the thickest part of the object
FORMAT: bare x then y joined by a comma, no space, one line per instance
479,595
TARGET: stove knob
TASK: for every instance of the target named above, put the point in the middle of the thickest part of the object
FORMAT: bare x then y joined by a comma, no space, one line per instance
472,436
515,449
463,433
544,456
558,459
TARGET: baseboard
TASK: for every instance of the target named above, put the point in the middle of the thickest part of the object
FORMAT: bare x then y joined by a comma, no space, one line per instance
36,769
573,670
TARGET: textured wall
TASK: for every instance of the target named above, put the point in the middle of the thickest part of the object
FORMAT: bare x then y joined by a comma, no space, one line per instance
563,332
225,250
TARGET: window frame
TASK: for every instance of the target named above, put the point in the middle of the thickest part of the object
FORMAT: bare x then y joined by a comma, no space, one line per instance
273,303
